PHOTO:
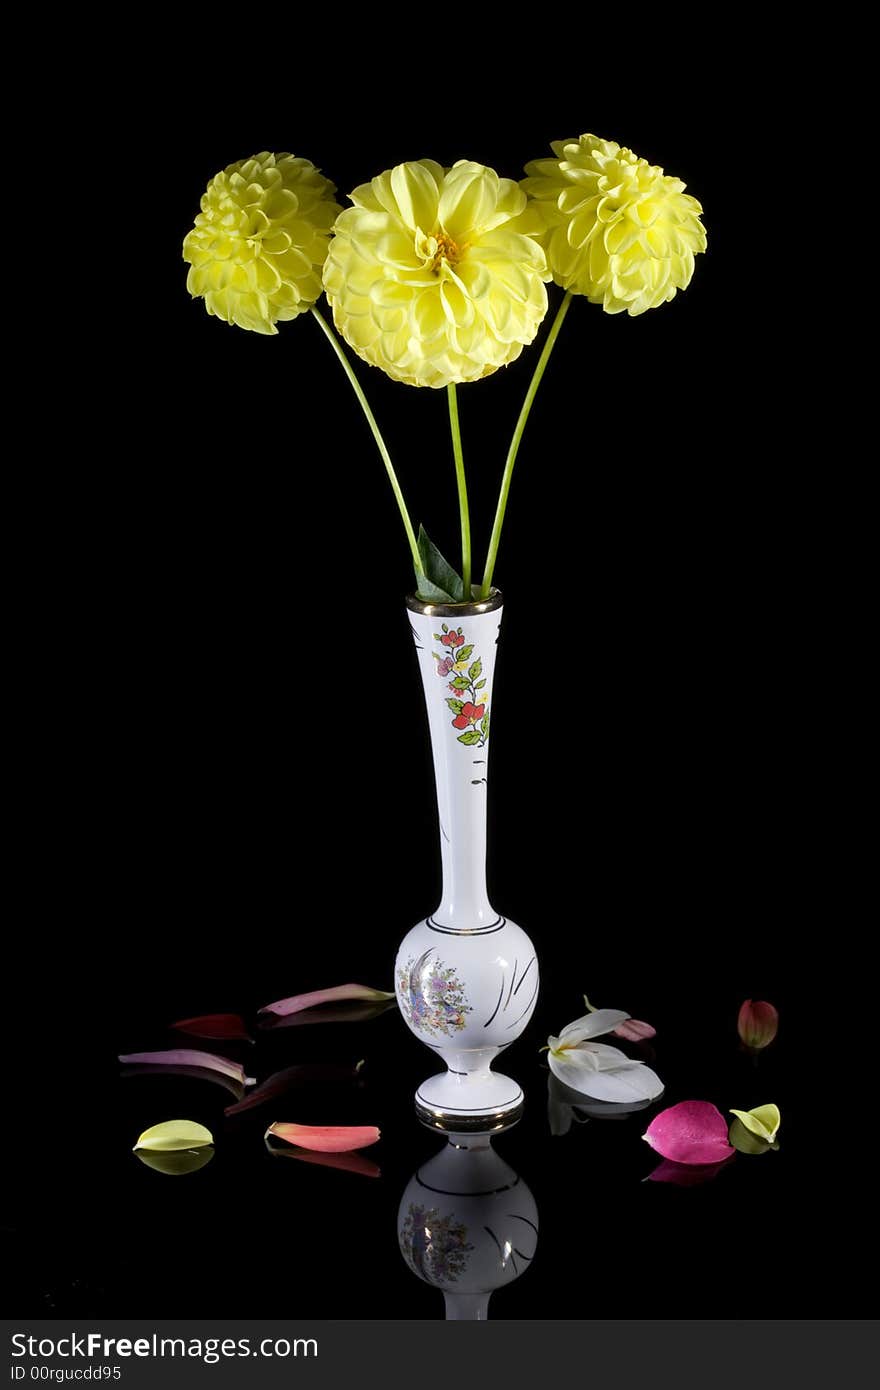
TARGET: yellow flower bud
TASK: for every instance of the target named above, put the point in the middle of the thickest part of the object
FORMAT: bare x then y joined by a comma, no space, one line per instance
259,243
616,228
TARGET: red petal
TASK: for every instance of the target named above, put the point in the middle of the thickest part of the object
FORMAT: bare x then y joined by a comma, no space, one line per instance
326,1138
214,1026
694,1131
460,721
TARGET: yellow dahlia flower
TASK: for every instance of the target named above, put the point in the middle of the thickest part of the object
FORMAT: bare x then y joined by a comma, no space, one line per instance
260,240
616,228
432,275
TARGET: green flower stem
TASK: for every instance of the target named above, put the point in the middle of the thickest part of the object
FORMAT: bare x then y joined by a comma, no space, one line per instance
383,448
515,443
462,493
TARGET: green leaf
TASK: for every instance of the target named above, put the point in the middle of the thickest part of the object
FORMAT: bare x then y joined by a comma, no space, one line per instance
445,629
484,724
437,637
470,737
456,706
432,593
475,670
438,571
174,1135
479,685
462,653
460,682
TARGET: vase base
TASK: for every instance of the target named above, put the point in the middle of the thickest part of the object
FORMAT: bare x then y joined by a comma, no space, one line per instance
449,1101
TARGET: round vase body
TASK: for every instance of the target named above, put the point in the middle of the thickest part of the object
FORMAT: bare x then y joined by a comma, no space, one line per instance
466,977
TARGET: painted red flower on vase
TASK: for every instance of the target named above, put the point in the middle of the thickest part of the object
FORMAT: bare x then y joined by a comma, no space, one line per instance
469,715
469,701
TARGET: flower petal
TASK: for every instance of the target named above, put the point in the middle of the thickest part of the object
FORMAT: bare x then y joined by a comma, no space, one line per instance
627,1083
352,1011
762,1121
173,1136
189,1057
593,1025
214,1026
326,1138
634,1030
302,1074
693,1131
297,1002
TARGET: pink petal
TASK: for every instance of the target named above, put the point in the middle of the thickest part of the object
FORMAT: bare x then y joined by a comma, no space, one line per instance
281,1081
326,1138
758,1023
189,1057
351,1011
214,1026
351,1163
686,1174
297,1002
634,1030
694,1131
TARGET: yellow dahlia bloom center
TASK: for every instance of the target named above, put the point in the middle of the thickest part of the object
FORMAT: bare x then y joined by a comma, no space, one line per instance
432,274
615,228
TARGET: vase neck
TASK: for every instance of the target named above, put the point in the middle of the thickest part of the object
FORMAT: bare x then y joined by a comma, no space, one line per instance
457,665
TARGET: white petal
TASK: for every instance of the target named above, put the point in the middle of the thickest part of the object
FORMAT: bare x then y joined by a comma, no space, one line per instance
610,1058
593,1025
621,1084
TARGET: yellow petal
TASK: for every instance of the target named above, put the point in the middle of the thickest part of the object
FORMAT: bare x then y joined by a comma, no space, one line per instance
174,1136
763,1120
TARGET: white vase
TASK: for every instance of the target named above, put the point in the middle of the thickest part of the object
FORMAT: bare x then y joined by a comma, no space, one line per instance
467,1224
466,977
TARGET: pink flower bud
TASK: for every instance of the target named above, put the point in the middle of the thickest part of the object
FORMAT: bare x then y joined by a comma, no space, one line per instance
757,1023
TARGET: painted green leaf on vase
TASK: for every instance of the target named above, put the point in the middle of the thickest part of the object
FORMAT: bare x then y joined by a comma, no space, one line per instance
471,737
455,705
475,670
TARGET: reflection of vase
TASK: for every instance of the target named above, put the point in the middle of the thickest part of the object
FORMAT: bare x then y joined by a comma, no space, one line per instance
467,1224
467,978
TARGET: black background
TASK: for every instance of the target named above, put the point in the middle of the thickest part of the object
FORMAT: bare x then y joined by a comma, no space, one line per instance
230,795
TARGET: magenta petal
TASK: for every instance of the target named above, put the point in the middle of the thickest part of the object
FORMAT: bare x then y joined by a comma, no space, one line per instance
297,1002
634,1030
694,1131
214,1026
686,1174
